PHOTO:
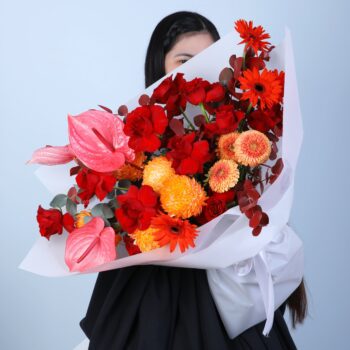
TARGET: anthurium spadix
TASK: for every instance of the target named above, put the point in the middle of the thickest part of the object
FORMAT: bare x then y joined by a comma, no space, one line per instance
90,245
97,139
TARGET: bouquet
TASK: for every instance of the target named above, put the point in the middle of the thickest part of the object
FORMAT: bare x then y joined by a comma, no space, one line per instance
195,172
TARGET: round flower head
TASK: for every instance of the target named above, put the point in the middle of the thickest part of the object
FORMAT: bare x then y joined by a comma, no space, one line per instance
131,171
226,145
156,172
80,218
252,148
223,175
144,239
174,231
182,196
266,87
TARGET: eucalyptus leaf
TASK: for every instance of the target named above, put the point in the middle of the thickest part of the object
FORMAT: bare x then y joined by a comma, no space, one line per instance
107,211
97,210
71,207
124,183
59,201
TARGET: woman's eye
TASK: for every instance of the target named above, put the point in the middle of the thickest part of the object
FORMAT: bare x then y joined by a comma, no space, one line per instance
183,61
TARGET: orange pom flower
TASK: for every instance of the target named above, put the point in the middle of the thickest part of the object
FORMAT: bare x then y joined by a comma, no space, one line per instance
156,172
174,231
80,218
223,175
266,87
144,239
254,37
131,171
252,148
226,145
182,196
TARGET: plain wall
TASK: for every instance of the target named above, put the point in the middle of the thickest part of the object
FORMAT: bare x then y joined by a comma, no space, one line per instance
59,57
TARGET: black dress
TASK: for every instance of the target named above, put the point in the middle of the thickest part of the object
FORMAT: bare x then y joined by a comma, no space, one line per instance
152,307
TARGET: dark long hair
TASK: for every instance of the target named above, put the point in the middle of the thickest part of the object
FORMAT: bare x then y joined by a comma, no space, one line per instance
162,40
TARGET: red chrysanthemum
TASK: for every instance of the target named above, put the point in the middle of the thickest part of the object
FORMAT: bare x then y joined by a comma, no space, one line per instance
188,156
173,231
143,125
253,37
137,207
265,87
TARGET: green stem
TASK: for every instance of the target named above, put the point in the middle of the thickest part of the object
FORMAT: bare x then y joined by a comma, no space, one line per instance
244,54
120,188
187,119
204,112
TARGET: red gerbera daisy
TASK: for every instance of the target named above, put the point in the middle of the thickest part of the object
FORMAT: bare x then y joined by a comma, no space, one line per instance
254,37
174,231
266,87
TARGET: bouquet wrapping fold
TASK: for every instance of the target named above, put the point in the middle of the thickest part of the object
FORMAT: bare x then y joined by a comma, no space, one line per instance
249,276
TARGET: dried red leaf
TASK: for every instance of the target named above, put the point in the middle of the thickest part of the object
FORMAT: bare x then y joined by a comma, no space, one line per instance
177,126
74,170
256,231
255,219
144,100
225,76
255,62
123,110
106,109
277,168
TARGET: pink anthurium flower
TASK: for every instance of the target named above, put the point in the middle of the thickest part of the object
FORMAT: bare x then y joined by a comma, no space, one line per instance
52,155
90,245
98,140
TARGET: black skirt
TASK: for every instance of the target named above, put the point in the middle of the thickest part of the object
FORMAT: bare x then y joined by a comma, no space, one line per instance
152,307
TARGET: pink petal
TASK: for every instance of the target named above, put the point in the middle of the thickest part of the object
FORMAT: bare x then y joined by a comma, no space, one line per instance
90,246
98,140
52,155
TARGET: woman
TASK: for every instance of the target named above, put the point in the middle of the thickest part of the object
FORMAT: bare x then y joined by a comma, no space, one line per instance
159,307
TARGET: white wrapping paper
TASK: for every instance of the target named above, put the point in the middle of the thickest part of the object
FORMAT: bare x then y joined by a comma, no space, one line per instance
225,246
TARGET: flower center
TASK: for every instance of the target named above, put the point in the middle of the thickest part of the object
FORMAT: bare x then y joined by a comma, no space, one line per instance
175,229
259,87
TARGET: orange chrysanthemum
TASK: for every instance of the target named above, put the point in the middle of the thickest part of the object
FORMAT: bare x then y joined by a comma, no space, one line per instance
253,37
226,145
80,218
266,87
223,175
156,172
182,196
132,171
252,148
174,231
144,239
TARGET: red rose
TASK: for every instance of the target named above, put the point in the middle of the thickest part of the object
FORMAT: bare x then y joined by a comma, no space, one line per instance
143,125
266,120
194,90
215,93
170,93
93,183
50,221
188,156
130,246
68,222
216,205
226,120
137,207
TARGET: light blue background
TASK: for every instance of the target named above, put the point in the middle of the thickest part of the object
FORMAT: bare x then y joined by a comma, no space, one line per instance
59,57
